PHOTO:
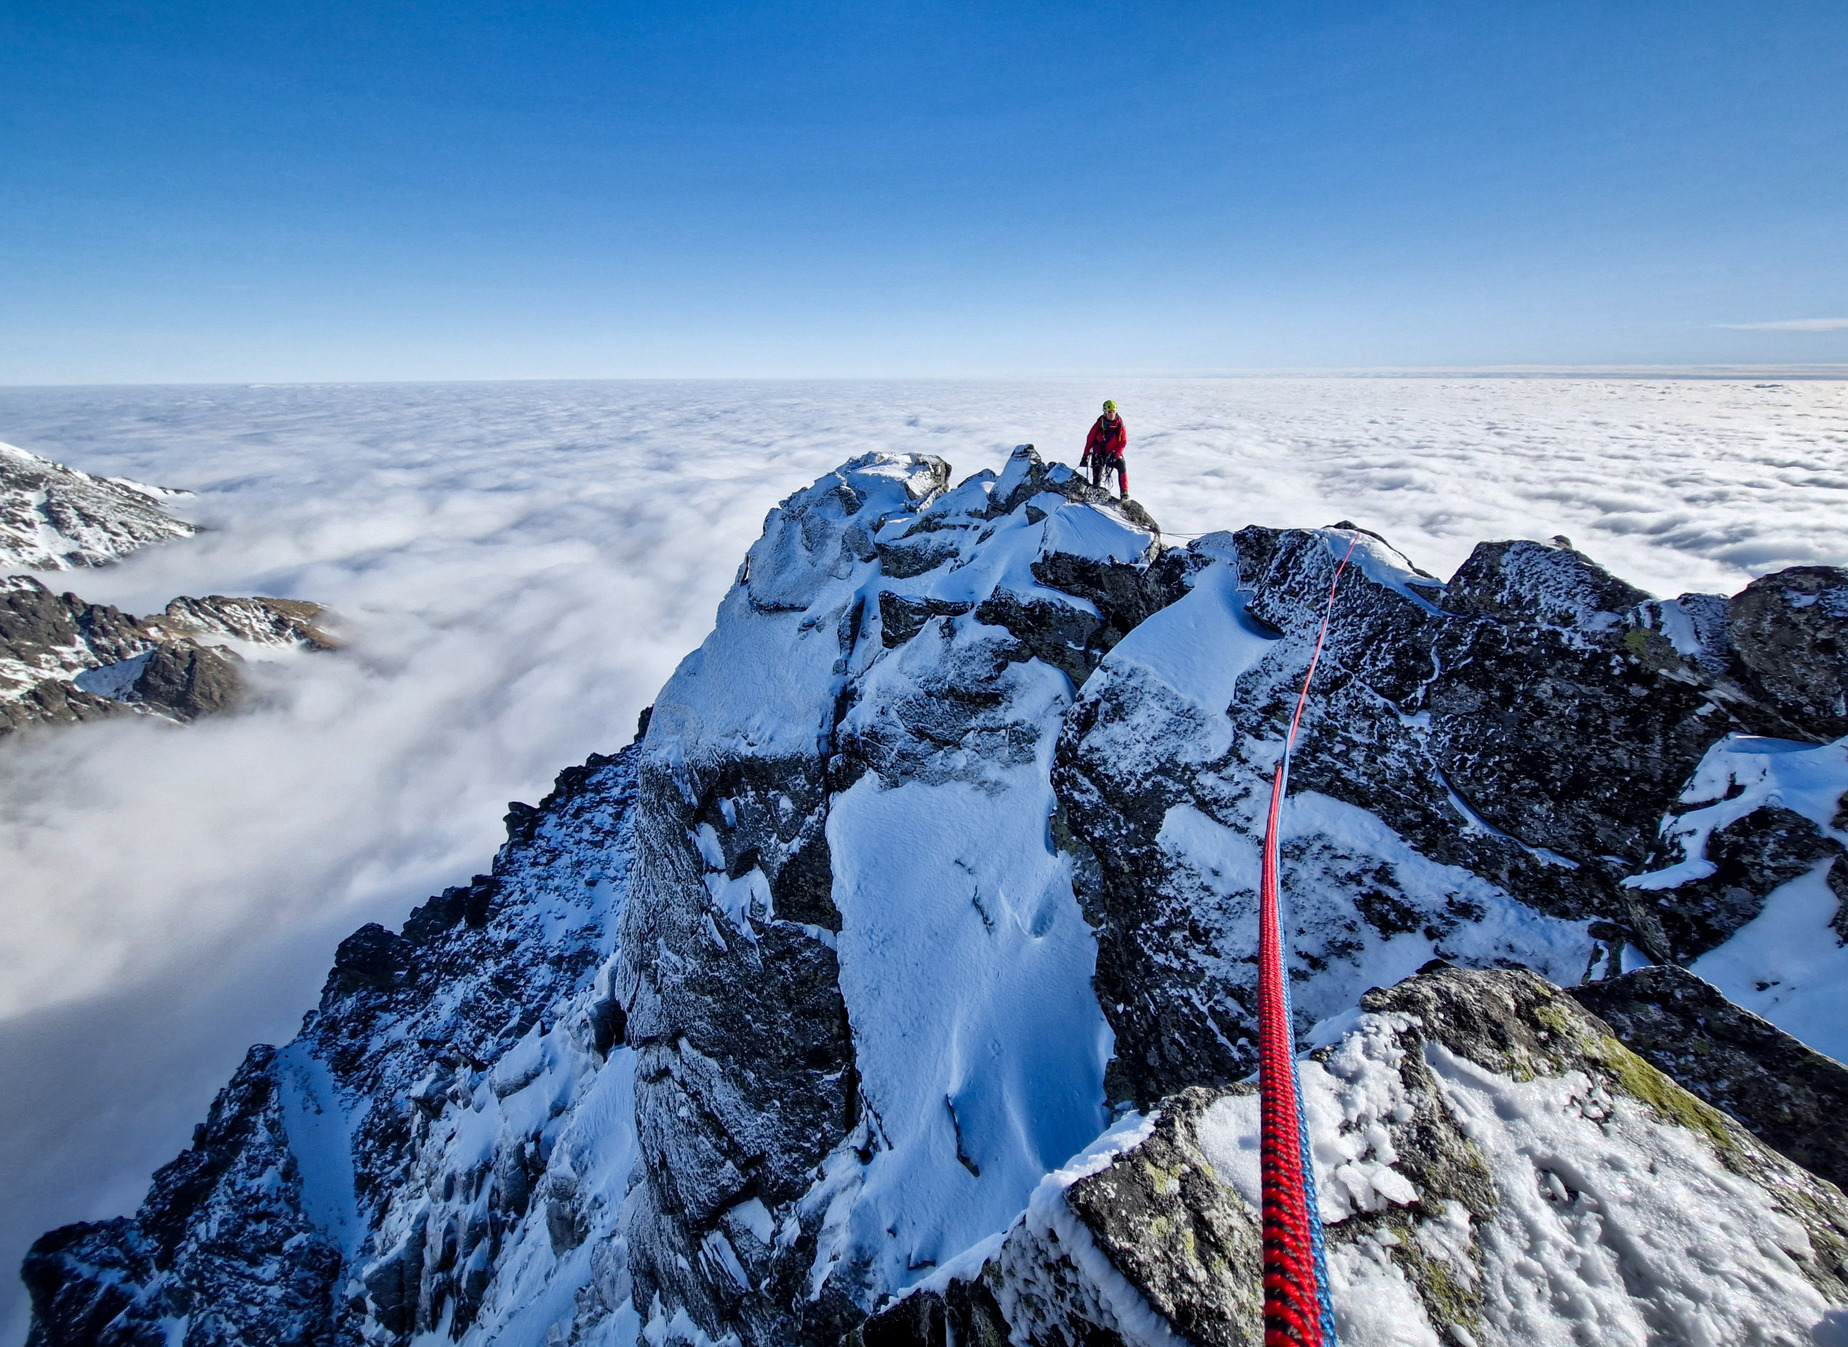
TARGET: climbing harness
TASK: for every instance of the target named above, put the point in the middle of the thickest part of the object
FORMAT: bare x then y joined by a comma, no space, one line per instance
1297,1309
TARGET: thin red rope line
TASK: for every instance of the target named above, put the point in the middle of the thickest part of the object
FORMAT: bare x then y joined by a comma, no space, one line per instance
1293,1314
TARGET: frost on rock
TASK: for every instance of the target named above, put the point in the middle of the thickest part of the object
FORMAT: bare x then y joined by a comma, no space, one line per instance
444,1147
1482,766
897,983
1792,1097
57,518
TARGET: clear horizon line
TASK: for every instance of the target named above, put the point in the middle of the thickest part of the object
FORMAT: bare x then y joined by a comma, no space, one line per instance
1811,371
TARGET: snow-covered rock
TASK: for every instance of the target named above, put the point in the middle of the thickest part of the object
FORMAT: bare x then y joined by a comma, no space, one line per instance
904,968
1748,882
57,518
1492,1164
62,659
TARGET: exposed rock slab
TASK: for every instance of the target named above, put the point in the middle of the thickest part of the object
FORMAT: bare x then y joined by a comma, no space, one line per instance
1791,1097
1790,632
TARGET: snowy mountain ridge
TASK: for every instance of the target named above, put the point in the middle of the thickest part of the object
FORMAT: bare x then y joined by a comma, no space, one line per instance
935,868
57,518
64,660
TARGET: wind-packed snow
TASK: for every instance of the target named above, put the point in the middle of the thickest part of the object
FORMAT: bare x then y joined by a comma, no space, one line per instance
520,567
1197,647
1789,965
321,1138
965,963
112,680
763,683
1592,1239
1742,773
966,968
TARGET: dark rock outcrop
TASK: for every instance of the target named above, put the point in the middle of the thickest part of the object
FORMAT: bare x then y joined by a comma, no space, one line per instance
1522,724
1752,856
62,659
1790,1096
1790,630
225,1240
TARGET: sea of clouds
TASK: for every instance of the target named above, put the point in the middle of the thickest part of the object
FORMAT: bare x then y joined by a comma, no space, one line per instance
516,568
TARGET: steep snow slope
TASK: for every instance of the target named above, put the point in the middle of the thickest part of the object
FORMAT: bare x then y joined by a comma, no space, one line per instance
56,518
445,1142
936,856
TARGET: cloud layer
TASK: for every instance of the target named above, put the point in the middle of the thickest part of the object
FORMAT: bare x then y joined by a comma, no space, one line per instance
519,567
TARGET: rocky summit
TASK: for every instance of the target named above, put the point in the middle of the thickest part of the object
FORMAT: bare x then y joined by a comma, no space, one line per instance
896,984
64,660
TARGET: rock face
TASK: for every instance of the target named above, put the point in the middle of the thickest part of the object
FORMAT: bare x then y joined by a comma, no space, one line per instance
62,659
56,518
1791,634
417,1136
896,985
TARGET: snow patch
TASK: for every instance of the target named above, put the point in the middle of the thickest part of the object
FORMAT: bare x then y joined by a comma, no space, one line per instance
1789,965
1348,1101
321,1138
1592,1239
966,968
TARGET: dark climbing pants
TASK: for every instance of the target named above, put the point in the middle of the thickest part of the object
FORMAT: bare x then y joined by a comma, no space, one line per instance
1100,468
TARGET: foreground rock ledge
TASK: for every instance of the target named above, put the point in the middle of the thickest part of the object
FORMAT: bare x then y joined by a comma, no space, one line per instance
1473,1129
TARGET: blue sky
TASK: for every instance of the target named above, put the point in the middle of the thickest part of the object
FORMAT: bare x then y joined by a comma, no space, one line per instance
205,191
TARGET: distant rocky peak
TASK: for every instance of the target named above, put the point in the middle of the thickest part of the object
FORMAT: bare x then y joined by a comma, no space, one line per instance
65,660
259,621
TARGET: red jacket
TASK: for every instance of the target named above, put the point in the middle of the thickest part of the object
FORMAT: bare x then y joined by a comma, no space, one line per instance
1106,441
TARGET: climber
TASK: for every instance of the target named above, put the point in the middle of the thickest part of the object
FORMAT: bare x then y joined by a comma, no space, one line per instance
1103,449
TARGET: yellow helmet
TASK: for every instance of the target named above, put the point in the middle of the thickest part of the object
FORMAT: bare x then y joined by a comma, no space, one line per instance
1109,406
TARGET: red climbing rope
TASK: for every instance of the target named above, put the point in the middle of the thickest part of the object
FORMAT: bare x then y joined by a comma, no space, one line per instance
1297,1311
